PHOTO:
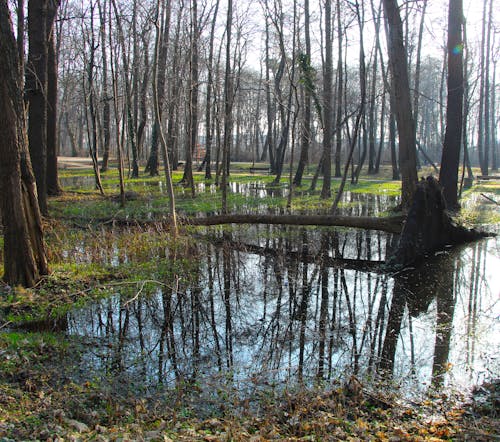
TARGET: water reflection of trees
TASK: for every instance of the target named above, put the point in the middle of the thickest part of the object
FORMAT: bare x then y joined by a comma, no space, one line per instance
282,307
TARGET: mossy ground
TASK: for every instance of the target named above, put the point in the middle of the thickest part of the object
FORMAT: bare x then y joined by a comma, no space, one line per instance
42,398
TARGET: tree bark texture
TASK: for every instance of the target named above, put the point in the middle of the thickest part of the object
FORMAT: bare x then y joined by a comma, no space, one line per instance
24,251
36,88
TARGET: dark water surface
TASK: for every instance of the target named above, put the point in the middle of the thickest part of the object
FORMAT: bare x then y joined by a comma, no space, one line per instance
276,305
264,306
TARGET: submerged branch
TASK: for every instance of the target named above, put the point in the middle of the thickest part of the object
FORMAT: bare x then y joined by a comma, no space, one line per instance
364,265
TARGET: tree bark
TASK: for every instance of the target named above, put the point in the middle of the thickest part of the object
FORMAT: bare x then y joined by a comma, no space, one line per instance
450,160
327,104
36,88
305,136
24,250
53,185
228,108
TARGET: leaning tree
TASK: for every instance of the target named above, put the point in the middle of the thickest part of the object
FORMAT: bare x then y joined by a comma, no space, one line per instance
24,251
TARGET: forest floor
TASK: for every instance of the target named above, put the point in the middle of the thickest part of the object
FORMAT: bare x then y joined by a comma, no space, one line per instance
45,396
39,402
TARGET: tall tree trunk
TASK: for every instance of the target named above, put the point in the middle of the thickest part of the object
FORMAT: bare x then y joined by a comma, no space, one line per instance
487,94
161,67
362,84
450,161
228,107
20,40
24,250
480,127
106,110
398,61
494,121
128,92
466,106
192,126
327,104
168,174
90,107
305,136
416,88
340,96
208,105
271,109
36,88
53,185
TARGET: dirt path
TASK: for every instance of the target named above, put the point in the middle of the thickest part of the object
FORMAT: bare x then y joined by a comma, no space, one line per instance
74,162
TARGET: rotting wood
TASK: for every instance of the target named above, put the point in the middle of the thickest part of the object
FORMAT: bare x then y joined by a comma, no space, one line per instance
429,227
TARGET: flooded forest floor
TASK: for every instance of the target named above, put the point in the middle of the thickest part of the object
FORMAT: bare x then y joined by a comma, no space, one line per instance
248,333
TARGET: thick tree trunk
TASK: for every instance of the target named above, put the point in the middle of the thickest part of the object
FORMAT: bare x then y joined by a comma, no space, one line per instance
327,104
450,160
36,88
24,251
305,137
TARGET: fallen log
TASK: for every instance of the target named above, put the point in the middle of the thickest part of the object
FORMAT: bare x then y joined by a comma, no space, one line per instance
391,224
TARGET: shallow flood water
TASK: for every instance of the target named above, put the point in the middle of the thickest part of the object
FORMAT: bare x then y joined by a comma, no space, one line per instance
269,306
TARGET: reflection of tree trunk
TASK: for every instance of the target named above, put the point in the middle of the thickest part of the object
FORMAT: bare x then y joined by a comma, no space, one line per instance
396,311
226,273
323,311
168,329
302,313
444,321
474,292
213,322
352,321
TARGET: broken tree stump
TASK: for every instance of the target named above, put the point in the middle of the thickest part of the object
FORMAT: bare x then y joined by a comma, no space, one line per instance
428,227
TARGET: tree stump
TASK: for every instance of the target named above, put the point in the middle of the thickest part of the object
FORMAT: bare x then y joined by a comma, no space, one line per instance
428,227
